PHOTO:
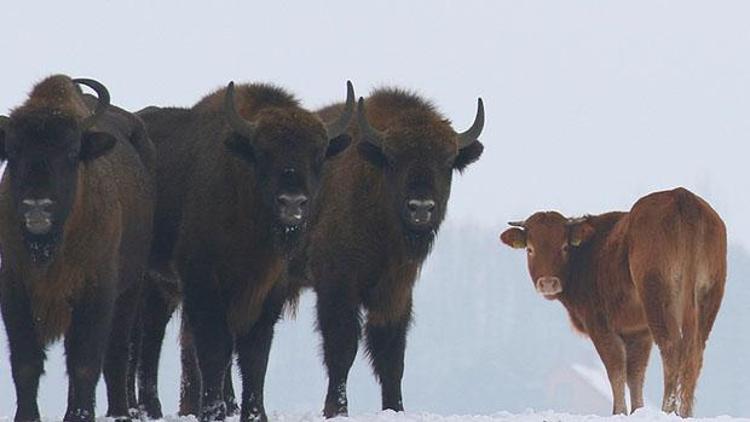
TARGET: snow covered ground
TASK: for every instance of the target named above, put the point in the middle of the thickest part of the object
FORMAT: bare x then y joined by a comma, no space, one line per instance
529,416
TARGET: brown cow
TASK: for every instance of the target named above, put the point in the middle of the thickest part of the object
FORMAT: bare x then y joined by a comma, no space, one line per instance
76,206
381,206
657,272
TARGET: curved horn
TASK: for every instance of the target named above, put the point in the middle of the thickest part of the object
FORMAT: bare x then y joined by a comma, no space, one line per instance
472,134
521,224
237,122
101,106
4,121
371,134
339,126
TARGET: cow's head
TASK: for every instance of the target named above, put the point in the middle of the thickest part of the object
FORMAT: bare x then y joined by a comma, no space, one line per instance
418,154
44,147
551,241
287,146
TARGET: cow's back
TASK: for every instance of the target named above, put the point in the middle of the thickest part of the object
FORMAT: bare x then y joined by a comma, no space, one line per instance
677,238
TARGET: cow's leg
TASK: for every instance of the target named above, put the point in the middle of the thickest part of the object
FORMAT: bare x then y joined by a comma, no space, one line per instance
85,346
661,313
118,353
133,362
612,352
637,349
340,325
253,349
190,381
157,311
26,353
386,345
206,315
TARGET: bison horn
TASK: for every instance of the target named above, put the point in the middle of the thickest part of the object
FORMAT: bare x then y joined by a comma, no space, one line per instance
472,134
101,106
517,223
368,132
237,122
339,126
4,121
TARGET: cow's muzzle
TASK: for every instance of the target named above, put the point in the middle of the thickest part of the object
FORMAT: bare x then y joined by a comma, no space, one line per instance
549,287
37,215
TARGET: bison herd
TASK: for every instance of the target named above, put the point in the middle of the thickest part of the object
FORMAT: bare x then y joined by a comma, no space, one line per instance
109,220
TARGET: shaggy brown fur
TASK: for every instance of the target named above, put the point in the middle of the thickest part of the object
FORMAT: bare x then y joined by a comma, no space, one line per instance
218,216
362,253
657,271
93,277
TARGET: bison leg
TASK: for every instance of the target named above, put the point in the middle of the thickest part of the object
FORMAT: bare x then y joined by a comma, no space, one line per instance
213,342
612,352
190,381
118,354
157,311
85,345
386,345
340,325
253,349
26,353
637,350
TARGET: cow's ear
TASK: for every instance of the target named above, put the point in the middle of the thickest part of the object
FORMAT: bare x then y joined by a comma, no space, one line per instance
373,154
96,144
514,237
581,233
240,147
468,155
338,144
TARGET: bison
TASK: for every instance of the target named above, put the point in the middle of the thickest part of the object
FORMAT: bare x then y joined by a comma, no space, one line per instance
625,278
381,205
238,176
76,208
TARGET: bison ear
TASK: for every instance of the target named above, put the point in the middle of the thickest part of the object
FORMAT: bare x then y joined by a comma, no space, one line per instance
581,233
468,155
373,154
338,144
240,147
96,144
514,237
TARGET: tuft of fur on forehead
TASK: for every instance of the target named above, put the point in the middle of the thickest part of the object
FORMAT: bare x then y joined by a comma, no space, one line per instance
250,99
57,93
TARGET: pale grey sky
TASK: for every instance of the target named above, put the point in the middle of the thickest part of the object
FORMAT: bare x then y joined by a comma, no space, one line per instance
590,104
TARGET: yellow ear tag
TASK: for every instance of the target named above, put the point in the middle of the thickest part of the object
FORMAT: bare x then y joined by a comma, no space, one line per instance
519,244
575,242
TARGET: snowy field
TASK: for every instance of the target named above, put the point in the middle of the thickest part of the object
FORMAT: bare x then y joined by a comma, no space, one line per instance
529,416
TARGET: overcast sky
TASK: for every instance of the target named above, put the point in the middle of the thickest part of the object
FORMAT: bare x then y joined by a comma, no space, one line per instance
590,104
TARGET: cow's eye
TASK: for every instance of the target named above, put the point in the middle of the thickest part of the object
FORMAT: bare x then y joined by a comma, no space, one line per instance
73,156
565,248
530,250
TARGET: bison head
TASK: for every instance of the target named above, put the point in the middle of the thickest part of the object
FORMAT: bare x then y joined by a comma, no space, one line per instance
287,147
44,147
550,241
418,154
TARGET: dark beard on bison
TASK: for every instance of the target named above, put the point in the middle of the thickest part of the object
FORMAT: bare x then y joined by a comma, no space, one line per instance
419,243
41,248
287,237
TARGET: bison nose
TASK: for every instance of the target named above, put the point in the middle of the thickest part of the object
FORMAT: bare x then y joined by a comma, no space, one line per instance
420,210
292,208
548,286
37,215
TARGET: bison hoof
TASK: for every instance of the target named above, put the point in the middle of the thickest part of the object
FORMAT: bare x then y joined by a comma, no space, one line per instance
216,411
151,410
254,415
232,407
79,415
335,410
